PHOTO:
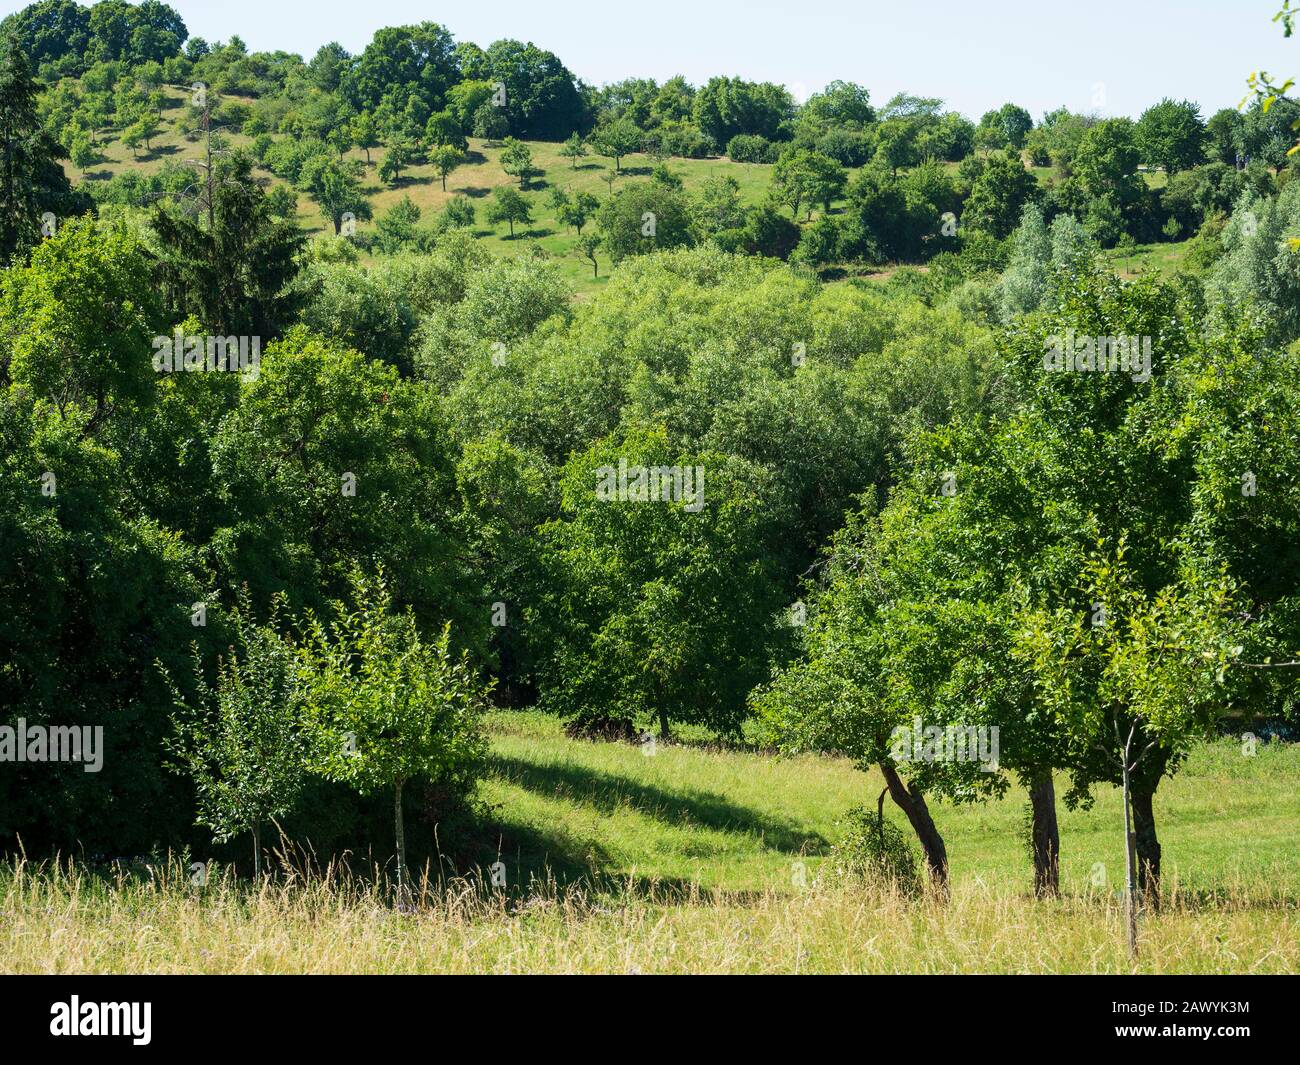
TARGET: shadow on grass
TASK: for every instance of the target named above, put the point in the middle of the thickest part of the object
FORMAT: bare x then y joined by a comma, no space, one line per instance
534,858
607,792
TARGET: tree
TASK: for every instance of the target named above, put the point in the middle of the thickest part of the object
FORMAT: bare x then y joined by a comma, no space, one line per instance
806,177
443,128
339,193
1106,164
727,106
517,160
617,139
82,153
588,246
365,133
490,122
574,149
623,572
239,740
1171,135
231,267
458,213
79,321
643,218
446,159
999,195
401,64
542,99
576,212
385,707
395,229
896,144
31,179
508,206
395,161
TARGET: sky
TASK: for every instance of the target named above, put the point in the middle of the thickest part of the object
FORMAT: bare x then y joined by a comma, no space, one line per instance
1114,57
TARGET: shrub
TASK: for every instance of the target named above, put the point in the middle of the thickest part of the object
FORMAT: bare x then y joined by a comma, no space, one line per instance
751,148
874,850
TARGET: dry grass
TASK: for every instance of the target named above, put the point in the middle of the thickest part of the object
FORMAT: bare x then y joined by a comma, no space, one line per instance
61,919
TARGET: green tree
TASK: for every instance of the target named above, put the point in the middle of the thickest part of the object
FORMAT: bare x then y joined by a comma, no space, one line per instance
445,159
1171,135
635,636
239,740
999,195
803,177
517,160
588,246
233,265
643,218
31,181
573,149
336,188
79,321
394,162
616,140
385,707
364,133
509,206
578,211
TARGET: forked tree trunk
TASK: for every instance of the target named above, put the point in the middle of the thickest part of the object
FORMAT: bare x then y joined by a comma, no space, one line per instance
912,803
1046,835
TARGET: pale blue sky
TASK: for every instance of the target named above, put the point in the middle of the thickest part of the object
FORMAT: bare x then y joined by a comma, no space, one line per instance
976,54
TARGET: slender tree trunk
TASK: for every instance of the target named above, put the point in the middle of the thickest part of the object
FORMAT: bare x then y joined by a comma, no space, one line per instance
1047,838
1130,870
257,851
664,731
912,803
401,844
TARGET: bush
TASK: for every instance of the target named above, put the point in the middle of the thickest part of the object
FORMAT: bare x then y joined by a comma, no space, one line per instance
874,850
751,148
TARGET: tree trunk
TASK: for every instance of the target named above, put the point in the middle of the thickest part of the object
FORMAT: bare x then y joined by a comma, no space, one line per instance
1047,837
1146,843
257,851
912,803
664,732
1130,872
401,844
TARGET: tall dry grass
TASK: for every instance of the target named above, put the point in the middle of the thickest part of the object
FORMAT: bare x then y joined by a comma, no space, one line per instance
64,917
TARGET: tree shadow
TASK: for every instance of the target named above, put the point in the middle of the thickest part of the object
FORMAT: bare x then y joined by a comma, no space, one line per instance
607,793
475,192
534,858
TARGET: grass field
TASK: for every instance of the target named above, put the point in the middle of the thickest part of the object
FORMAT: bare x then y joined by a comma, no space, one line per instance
704,858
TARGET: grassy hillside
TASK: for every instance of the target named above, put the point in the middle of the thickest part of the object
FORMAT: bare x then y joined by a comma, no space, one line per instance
476,179
696,850
482,173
